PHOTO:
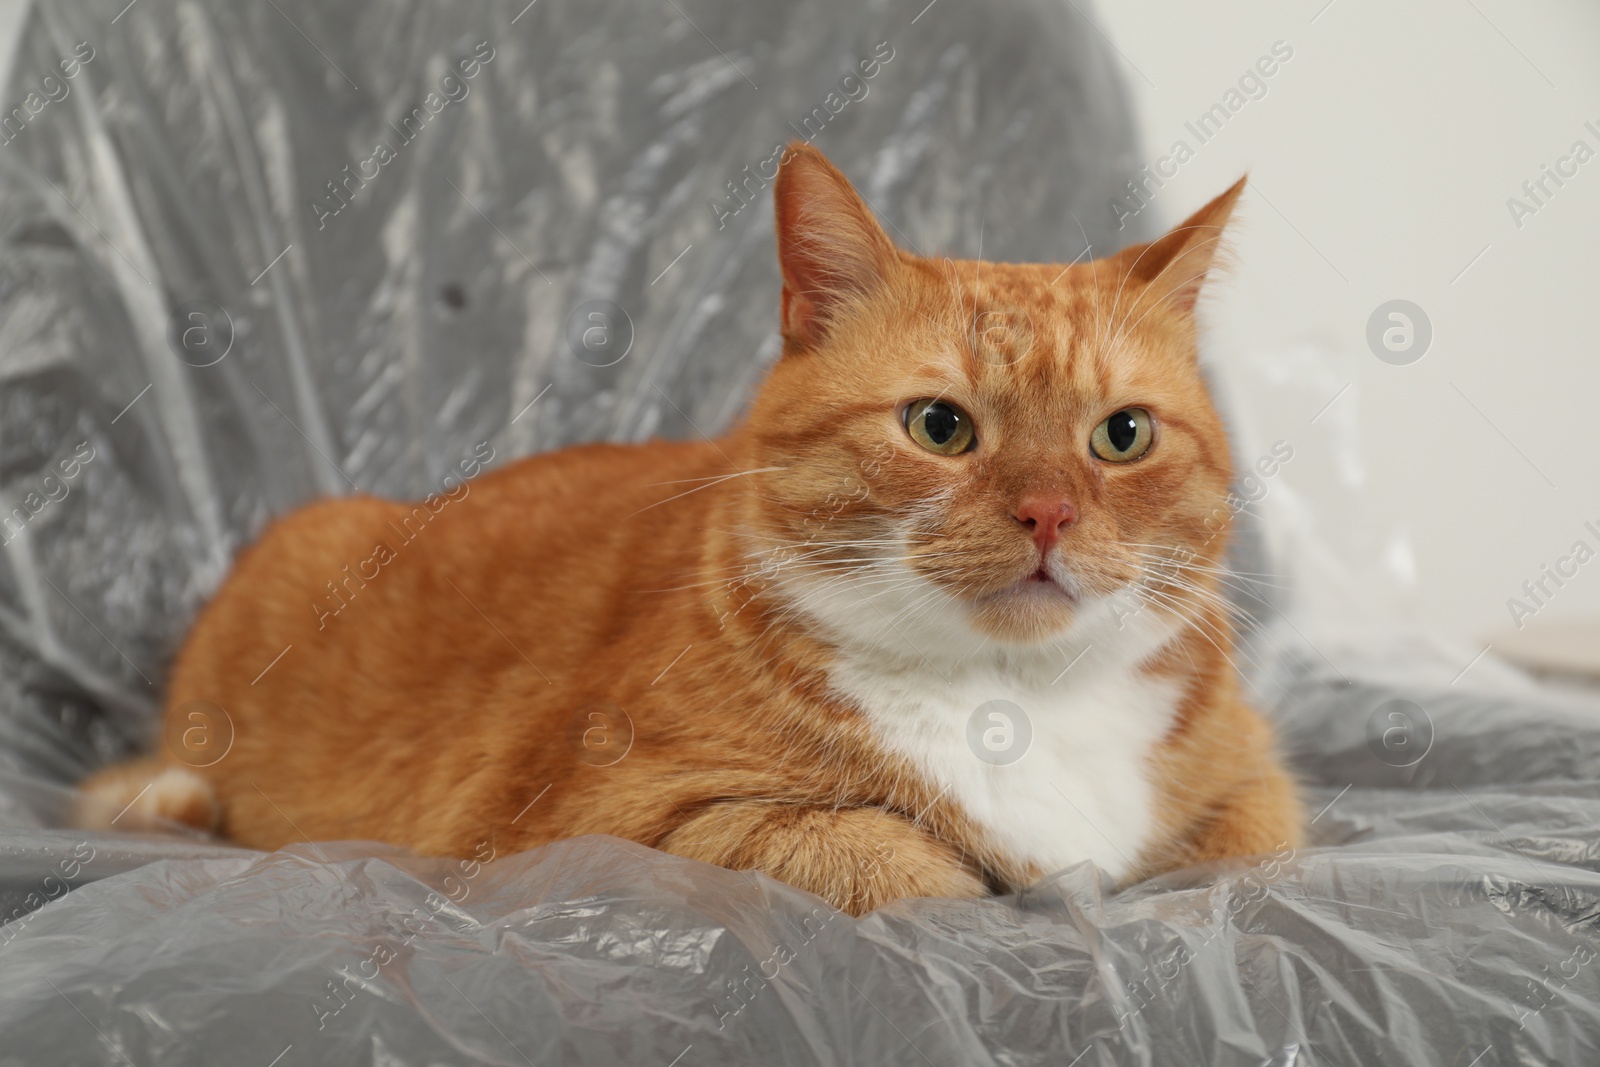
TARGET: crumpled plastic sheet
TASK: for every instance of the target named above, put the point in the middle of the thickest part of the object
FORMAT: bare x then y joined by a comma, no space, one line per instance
1440,917
1444,913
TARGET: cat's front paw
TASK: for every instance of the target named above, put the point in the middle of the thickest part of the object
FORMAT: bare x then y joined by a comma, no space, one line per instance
856,859
914,869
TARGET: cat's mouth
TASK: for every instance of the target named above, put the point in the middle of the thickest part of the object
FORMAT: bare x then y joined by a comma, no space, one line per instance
1036,607
1042,583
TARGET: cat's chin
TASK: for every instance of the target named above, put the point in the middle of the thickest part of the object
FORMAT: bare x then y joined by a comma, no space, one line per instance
1032,611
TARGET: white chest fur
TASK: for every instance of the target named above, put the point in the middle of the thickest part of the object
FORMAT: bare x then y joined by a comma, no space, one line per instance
1079,791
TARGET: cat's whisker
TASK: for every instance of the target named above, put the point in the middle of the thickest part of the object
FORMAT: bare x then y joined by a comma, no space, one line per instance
1226,575
714,477
953,277
1199,593
1177,582
1194,563
1197,625
1173,580
1177,579
707,485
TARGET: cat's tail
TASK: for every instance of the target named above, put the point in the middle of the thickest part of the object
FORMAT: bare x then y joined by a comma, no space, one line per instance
142,794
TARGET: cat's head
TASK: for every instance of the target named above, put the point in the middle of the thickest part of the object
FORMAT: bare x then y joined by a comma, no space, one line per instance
965,450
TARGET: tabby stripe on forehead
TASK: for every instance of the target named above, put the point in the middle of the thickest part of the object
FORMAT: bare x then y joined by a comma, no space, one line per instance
806,437
1202,442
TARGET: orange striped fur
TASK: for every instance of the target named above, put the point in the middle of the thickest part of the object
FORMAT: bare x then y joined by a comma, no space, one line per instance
664,642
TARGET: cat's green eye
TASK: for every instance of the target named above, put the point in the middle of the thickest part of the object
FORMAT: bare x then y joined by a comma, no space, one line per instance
1123,437
940,426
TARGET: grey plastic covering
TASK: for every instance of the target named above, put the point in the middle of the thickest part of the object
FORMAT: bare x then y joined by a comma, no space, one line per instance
1444,914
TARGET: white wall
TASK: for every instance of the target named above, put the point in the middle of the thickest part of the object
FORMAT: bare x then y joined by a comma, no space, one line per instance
1381,159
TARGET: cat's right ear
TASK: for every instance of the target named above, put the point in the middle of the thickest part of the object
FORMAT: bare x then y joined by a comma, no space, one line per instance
831,249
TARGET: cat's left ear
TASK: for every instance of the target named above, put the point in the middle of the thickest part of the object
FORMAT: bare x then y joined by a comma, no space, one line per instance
1174,266
830,247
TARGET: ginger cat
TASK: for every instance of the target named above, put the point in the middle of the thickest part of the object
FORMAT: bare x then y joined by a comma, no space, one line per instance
964,483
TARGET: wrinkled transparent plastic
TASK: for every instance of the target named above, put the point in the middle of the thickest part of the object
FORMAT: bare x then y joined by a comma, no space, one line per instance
220,297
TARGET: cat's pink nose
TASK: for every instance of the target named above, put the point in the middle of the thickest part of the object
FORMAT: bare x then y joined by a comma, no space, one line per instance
1045,517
